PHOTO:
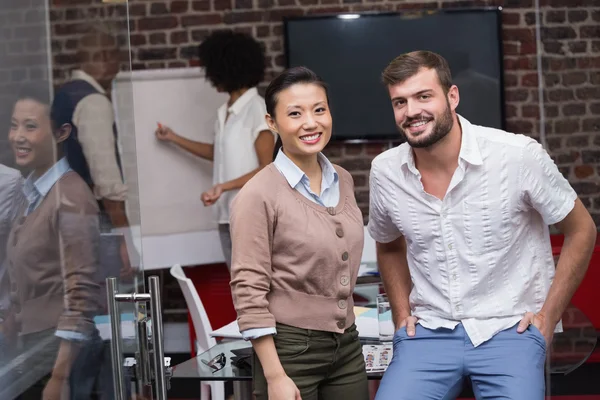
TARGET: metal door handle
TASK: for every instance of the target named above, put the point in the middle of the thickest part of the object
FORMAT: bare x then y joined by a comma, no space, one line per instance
160,379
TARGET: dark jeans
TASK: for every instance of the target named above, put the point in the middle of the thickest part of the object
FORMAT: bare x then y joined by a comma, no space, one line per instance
323,365
84,371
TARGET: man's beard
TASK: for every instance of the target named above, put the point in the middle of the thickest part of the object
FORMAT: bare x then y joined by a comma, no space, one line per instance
441,128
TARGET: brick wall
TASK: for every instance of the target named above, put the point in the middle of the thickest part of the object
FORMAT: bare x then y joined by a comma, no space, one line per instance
24,54
165,34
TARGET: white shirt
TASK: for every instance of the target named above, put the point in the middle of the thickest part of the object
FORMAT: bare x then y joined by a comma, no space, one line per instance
481,256
94,118
234,151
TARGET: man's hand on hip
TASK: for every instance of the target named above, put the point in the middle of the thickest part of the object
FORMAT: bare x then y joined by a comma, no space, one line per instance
410,324
539,321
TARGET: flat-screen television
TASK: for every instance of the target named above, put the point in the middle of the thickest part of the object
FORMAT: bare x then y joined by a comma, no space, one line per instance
349,51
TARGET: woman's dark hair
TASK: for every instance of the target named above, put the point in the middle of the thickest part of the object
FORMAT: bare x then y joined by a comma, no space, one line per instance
289,77
232,60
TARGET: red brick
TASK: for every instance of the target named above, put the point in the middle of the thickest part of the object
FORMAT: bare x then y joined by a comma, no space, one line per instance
578,15
559,63
242,4
519,126
520,34
516,95
555,17
578,47
179,37
374,149
574,78
551,80
510,80
157,23
596,15
199,35
550,111
180,6
588,62
158,9
590,31
595,108
328,10
278,15
158,38
201,5
276,46
530,79
510,48
511,18
560,95
522,63
552,47
511,111
588,93
64,59
236,17
280,60
566,126
591,125
308,2
559,32
530,111
220,5
199,20
263,31
138,10
573,110
595,77
353,149
361,180
137,40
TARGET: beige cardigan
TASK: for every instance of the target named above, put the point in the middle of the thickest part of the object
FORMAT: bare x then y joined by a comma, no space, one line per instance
293,261
53,261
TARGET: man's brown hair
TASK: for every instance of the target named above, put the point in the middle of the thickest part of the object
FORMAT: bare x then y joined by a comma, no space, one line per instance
409,64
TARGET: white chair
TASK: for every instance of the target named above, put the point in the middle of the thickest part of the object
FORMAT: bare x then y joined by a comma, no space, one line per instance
212,390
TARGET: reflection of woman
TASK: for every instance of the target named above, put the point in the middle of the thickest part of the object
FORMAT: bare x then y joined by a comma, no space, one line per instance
52,253
234,63
297,244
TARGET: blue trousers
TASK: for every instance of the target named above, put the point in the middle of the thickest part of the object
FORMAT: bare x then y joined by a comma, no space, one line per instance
433,364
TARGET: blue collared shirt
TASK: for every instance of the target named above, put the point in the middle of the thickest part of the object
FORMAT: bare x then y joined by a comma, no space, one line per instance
329,197
35,191
330,185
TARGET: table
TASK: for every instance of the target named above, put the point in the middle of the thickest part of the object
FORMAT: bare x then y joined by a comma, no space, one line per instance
569,350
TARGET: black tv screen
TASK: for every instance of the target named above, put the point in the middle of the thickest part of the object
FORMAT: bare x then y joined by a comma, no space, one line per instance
350,51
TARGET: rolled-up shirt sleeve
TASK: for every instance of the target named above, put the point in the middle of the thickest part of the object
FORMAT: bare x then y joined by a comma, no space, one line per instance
380,225
543,187
251,226
94,119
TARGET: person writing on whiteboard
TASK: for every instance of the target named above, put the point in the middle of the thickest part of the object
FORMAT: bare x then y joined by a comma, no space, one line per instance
234,63
297,244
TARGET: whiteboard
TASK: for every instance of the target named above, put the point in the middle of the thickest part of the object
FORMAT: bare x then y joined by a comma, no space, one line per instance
164,182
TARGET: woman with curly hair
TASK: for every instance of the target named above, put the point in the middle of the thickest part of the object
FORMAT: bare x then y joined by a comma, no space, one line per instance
234,63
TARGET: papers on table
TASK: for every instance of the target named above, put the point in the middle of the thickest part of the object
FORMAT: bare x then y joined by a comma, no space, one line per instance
366,324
